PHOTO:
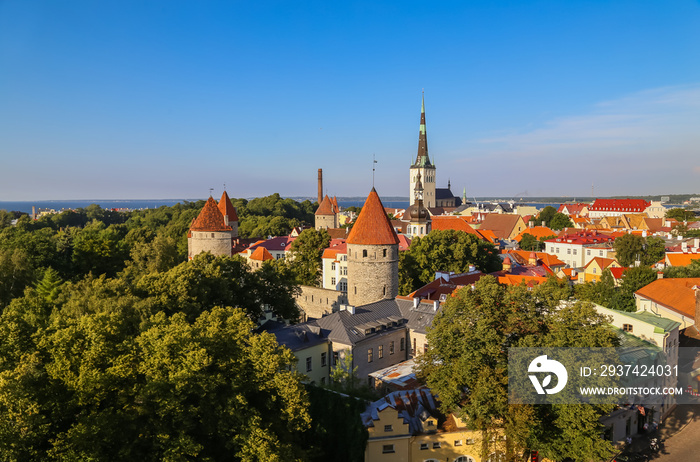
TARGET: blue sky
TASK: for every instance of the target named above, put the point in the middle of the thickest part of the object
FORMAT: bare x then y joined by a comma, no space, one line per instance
166,99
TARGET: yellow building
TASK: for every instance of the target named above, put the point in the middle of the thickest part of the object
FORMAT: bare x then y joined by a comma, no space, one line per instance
404,426
594,269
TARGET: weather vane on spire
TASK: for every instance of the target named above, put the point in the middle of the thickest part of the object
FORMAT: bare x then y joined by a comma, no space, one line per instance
210,191
374,161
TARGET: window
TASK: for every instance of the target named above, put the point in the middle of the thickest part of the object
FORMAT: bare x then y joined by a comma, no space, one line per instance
344,286
384,252
333,266
323,359
403,344
568,251
458,442
588,252
364,254
370,355
380,351
388,428
595,270
437,445
387,449
423,446
308,364
575,251
332,281
344,271
336,358
391,347
627,327
601,253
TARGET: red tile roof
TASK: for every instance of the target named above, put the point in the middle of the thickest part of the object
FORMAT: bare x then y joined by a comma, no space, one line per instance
227,208
619,205
372,226
210,218
458,223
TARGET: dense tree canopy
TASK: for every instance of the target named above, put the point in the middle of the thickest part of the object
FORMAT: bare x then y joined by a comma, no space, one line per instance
630,248
447,250
467,365
307,250
680,214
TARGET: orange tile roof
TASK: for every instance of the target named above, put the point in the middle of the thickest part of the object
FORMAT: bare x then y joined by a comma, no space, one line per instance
514,280
227,208
457,223
372,226
502,224
210,218
537,232
334,203
681,259
550,260
326,207
601,261
261,254
618,272
488,235
674,293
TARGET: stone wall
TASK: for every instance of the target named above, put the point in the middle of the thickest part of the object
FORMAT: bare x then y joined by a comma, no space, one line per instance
315,302
217,243
326,221
373,273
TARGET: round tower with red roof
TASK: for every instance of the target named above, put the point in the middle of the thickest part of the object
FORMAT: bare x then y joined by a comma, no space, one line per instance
210,233
373,255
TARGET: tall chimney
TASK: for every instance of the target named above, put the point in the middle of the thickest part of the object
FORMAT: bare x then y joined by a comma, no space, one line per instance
320,186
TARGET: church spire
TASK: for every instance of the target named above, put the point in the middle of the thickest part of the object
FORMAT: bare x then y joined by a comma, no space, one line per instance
422,160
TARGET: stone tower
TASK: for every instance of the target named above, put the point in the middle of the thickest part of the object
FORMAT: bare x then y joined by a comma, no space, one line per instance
210,233
373,255
419,224
326,215
423,166
229,212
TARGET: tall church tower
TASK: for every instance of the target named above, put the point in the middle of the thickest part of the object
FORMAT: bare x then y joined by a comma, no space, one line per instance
373,255
419,224
423,166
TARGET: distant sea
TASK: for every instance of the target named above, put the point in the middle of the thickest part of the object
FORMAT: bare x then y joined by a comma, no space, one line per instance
138,204
26,206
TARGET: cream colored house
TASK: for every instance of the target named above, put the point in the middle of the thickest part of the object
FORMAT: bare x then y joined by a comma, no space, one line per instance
311,349
403,426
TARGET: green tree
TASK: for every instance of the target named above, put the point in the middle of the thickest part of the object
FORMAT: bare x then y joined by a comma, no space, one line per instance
195,286
632,247
307,250
50,284
466,365
560,221
546,215
680,214
447,250
530,242
101,386
632,280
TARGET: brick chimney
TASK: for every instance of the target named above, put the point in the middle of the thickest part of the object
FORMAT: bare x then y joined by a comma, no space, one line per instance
320,185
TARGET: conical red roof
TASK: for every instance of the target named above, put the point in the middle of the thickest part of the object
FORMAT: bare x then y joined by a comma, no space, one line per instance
227,208
372,226
210,218
326,207
261,254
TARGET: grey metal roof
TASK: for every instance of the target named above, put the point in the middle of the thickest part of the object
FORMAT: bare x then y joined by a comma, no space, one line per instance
299,336
349,329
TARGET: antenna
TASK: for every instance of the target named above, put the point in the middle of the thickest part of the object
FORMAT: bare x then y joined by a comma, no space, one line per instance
374,161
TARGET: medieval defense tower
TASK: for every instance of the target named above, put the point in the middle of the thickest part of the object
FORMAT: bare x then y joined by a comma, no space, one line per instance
214,229
373,255
423,166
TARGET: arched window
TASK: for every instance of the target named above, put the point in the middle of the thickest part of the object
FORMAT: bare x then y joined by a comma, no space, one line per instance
364,254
